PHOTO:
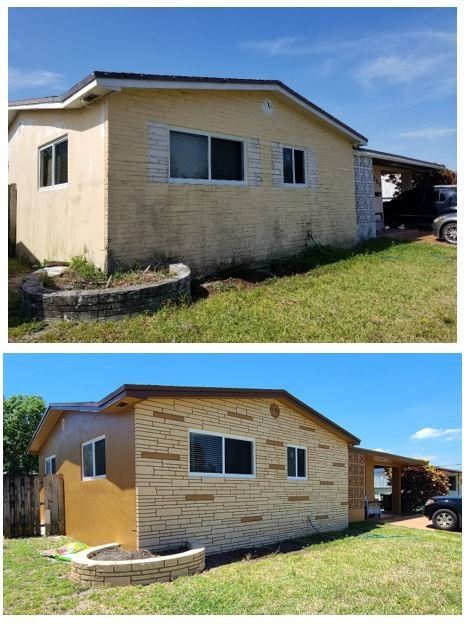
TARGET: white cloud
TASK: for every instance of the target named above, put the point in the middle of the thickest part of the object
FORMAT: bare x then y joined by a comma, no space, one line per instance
430,432
429,133
397,69
23,79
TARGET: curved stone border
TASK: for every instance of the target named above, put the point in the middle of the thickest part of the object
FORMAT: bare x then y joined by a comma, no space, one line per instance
103,303
134,571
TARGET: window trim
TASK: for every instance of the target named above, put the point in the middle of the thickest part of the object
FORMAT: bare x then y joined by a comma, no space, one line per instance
295,184
94,477
50,457
209,181
223,474
305,449
53,186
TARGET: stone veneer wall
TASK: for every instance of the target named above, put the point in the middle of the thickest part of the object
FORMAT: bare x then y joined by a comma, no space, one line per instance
136,571
103,303
364,196
225,513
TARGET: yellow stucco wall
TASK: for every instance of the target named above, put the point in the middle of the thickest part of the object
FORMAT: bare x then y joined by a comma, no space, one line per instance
207,226
102,510
56,224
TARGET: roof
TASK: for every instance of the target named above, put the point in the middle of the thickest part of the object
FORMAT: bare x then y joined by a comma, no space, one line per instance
389,459
127,395
396,160
448,470
100,83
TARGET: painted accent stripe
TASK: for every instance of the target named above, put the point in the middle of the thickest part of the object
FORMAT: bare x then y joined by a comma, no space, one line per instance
242,416
276,466
168,416
338,464
298,498
307,428
274,443
326,482
250,519
199,497
324,446
156,455
323,517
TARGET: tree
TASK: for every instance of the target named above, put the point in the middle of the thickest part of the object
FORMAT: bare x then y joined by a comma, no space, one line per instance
419,483
21,416
423,180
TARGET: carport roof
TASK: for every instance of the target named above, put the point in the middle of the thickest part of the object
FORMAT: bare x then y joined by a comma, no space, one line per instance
380,458
398,161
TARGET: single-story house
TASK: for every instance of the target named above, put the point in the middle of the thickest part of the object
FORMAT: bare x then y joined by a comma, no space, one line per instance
213,172
153,466
455,480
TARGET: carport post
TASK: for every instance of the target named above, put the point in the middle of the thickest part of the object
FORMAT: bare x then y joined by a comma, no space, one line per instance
396,490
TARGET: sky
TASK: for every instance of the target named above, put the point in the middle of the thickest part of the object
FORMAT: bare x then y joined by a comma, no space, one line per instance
409,404
389,73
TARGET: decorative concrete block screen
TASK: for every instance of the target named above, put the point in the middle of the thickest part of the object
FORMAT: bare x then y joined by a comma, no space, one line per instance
356,480
97,573
364,197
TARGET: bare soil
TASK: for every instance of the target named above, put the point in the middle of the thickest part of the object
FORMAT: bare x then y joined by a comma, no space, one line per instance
120,554
69,280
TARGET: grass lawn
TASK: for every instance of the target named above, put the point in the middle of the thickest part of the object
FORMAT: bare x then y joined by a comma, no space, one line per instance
369,569
379,291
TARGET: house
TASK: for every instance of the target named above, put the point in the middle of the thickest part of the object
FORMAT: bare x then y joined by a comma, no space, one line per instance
153,466
455,481
212,172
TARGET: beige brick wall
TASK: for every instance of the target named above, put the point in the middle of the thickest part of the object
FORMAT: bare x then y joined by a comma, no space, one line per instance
206,226
226,513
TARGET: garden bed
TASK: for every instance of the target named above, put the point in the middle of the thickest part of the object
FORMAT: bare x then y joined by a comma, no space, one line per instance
118,553
95,567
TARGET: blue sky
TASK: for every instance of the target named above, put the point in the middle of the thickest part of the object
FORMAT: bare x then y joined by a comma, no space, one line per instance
389,73
408,404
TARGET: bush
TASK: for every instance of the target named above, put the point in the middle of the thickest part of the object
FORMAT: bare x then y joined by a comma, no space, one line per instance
418,484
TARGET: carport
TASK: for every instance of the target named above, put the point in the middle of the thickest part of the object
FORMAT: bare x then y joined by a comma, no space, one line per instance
371,166
362,465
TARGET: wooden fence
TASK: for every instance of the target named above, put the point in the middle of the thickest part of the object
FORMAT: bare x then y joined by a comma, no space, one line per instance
23,497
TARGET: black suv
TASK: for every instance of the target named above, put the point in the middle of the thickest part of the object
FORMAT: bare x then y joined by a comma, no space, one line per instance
445,512
419,207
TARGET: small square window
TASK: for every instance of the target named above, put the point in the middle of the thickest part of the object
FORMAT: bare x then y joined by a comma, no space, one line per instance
293,166
94,458
49,467
296,462
53,164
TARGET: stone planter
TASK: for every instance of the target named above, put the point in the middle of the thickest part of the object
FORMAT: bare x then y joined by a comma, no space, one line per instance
103,303
134,571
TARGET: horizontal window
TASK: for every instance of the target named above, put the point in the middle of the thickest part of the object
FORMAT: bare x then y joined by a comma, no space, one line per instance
217,454
94,458
49,467
293,166
296,462
204,157
53,164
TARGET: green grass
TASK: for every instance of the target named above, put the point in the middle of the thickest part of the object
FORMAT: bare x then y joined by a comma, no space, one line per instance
370,569
379,291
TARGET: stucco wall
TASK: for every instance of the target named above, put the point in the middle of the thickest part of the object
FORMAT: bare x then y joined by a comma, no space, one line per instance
59,223
102,510
224,513
208,226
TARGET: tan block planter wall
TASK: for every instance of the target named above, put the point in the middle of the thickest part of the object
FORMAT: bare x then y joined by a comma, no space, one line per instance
136,571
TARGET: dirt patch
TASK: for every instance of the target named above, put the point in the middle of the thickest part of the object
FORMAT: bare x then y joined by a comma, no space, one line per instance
120,554
219,559
70,280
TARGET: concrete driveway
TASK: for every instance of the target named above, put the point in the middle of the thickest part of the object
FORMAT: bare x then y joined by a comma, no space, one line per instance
413,522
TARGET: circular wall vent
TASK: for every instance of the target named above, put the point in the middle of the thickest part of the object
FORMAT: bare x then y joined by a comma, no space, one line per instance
267,107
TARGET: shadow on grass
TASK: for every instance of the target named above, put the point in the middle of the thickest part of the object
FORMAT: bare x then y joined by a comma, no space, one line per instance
287,546
312,258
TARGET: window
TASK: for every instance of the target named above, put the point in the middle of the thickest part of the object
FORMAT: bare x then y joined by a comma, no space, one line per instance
49,467
296,462
214,454
53,164
452,483
204,157
94,458
293,166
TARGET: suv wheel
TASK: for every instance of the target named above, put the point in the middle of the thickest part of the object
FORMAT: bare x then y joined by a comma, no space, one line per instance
449,233
445,520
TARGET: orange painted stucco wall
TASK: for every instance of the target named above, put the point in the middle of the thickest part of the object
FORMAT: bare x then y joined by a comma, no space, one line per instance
101,510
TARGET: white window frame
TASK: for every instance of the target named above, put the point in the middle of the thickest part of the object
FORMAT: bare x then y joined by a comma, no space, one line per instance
305,449
53,186
94,477
222,474
49,458
209,181
295,184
